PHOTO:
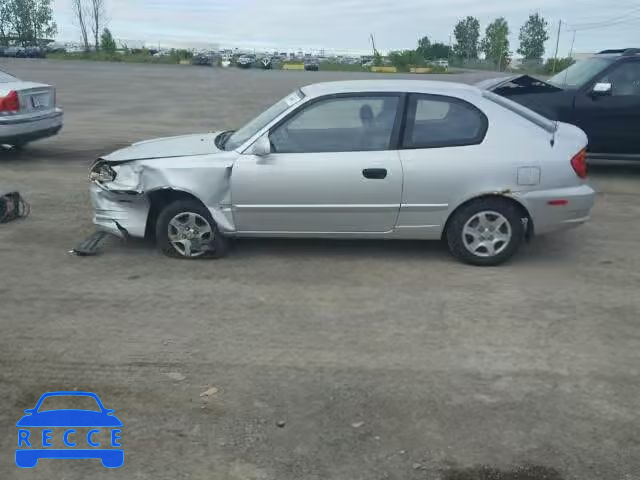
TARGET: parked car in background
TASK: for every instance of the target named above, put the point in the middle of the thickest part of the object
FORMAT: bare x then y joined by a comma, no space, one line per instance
366,159
202,60
35,52
56,48
601,95
312,65
23,52
443,63
245,61
14,51
28,111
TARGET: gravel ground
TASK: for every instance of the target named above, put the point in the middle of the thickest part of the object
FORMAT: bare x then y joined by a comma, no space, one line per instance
323,359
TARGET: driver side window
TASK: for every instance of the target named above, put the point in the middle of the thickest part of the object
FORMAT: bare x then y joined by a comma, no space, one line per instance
339,124
624,80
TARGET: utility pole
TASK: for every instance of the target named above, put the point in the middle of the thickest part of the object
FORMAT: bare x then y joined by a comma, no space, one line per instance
555,57
572,43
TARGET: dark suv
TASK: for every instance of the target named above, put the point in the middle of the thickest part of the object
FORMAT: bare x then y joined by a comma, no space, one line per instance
601,95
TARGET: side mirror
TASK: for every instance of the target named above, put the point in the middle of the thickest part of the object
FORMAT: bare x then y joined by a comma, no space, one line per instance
601,89
261,147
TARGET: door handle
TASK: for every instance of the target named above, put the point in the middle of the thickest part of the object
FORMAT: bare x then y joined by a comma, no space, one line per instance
375,173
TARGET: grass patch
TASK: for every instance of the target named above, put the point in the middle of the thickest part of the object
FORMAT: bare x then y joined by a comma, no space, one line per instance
345,67
341,67
126,57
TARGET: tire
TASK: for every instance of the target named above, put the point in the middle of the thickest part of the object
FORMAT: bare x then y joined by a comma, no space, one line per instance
180,215
486,232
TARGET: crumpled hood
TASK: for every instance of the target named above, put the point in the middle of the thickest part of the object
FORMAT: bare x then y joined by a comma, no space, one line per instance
491,83
517,85
181,146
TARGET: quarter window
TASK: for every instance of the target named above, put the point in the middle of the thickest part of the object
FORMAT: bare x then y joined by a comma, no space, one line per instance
341,124
435,121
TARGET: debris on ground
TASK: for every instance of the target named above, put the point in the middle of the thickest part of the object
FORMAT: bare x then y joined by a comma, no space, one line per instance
212,391
90,247
13,207
281,423
175,376
357,424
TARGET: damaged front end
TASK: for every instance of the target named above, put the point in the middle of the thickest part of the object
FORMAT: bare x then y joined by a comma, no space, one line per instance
120,206
127,193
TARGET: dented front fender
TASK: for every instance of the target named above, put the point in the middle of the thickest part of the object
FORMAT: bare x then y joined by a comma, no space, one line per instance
125,201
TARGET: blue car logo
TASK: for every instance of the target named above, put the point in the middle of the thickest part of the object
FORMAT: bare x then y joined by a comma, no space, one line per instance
103,429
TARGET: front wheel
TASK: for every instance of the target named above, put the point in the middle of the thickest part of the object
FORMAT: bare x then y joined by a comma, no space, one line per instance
486,232
185,229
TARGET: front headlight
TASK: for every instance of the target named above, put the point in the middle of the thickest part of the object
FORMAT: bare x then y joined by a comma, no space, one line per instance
102,173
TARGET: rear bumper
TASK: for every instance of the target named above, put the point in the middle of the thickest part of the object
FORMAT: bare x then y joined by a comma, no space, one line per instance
20,129
550,218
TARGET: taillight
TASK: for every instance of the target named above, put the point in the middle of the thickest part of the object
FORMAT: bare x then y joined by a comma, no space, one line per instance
579,163
10,103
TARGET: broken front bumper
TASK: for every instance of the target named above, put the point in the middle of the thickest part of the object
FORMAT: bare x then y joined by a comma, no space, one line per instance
120,214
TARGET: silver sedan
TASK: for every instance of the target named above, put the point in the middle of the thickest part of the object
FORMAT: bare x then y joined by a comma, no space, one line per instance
360,159
28,111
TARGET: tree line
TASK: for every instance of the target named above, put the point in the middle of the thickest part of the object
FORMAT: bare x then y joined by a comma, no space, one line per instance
90,18
469,44
26,22
495,43
30,22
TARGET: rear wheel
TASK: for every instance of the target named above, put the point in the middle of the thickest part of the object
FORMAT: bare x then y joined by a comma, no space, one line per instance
185,229
486,232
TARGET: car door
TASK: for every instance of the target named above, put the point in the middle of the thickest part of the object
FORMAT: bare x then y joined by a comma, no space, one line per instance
612,120
439,153
334,168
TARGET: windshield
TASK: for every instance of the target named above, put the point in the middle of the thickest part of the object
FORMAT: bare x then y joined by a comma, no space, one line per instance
262,120
580,73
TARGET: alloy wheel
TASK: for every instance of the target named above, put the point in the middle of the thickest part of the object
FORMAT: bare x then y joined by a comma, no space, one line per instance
487,234
190,234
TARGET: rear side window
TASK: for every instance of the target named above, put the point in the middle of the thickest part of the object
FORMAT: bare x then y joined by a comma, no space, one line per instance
435,121
521,110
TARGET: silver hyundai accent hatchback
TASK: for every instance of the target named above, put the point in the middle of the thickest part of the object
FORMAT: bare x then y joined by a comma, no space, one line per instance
360,159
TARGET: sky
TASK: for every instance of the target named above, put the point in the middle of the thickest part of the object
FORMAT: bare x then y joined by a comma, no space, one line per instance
345,25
